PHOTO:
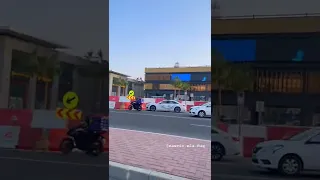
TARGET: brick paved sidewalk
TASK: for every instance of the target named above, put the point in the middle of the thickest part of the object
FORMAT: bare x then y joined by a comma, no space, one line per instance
153,151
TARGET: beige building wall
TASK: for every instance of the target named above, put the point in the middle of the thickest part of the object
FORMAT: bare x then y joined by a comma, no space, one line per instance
85,87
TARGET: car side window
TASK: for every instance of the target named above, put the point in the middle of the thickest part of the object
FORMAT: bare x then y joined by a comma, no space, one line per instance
164,102
315,139
173,102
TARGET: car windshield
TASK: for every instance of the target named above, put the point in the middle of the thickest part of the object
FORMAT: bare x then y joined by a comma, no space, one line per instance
298,136
206,104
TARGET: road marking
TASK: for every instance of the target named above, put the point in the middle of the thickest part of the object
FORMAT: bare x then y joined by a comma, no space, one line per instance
223,176
161,134
200,125
178,117
54,162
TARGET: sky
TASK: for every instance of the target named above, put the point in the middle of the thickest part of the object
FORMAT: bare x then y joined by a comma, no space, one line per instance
158,33
81,25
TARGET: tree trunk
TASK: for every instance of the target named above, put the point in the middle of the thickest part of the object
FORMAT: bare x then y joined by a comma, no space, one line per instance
219,104
46,88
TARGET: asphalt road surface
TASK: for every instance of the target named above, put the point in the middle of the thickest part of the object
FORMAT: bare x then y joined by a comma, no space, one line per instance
241,169
179,124
18,165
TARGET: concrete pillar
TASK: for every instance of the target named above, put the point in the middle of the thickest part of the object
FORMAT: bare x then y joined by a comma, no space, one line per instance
110,84
31,99
5,71
54,92
126,91
119,91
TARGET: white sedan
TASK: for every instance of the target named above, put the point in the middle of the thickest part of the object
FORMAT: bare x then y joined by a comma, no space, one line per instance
223,144
166,105
290,156
201,111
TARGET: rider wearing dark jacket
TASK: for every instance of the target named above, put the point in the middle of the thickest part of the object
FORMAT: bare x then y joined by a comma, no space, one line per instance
137,103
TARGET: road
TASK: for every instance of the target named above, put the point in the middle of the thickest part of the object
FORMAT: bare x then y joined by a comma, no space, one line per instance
18,165
179,124
241,169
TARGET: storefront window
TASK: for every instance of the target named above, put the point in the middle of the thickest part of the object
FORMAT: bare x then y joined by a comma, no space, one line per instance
282,116
277,81
158,77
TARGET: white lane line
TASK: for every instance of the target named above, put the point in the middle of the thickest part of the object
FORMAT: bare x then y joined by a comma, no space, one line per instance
160,134
200,125
223,176
155,115
54,162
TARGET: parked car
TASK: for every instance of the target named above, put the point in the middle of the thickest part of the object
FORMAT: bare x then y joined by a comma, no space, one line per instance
167,105
290,156
201,111
223,144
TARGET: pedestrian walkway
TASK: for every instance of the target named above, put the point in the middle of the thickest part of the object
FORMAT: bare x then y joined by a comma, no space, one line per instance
179,156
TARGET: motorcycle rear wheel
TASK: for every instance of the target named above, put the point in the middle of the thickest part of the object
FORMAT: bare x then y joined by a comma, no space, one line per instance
66,146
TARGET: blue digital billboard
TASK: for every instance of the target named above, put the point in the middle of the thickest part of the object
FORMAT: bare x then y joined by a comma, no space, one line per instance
182,77
236,50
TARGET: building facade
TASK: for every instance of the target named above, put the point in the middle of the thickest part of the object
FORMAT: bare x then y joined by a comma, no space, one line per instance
18,90
159,82
118,88
264,8
284,55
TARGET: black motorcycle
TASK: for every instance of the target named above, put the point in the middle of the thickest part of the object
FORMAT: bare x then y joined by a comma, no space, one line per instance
134,105
89,142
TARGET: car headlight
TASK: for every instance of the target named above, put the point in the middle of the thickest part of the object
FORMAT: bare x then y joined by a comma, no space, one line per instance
276,148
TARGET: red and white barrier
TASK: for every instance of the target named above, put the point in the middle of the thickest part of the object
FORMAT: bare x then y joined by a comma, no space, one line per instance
22,129
121,102
251,135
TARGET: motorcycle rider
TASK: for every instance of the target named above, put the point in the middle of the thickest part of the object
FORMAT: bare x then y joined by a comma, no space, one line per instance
137,103
84,135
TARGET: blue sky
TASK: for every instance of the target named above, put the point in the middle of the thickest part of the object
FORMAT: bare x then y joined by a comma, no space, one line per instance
158,33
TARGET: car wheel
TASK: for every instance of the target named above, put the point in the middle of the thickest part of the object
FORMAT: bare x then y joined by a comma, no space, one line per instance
177,109
217,151
201,114
290,165
153,108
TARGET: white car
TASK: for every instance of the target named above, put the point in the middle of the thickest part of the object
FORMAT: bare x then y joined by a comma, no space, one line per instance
291,156
223,144
166,105
201,111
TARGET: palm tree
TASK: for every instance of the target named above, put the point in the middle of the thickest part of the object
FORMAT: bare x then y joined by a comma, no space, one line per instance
236,77
123,83
89,55
44,69
100,56
185,87
177,84
38,68
221,71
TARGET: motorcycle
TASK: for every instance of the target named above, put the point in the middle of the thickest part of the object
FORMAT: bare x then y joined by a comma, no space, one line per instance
93,144
90,141
133,105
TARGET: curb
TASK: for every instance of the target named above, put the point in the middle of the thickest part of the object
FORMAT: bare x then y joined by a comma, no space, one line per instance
119,171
